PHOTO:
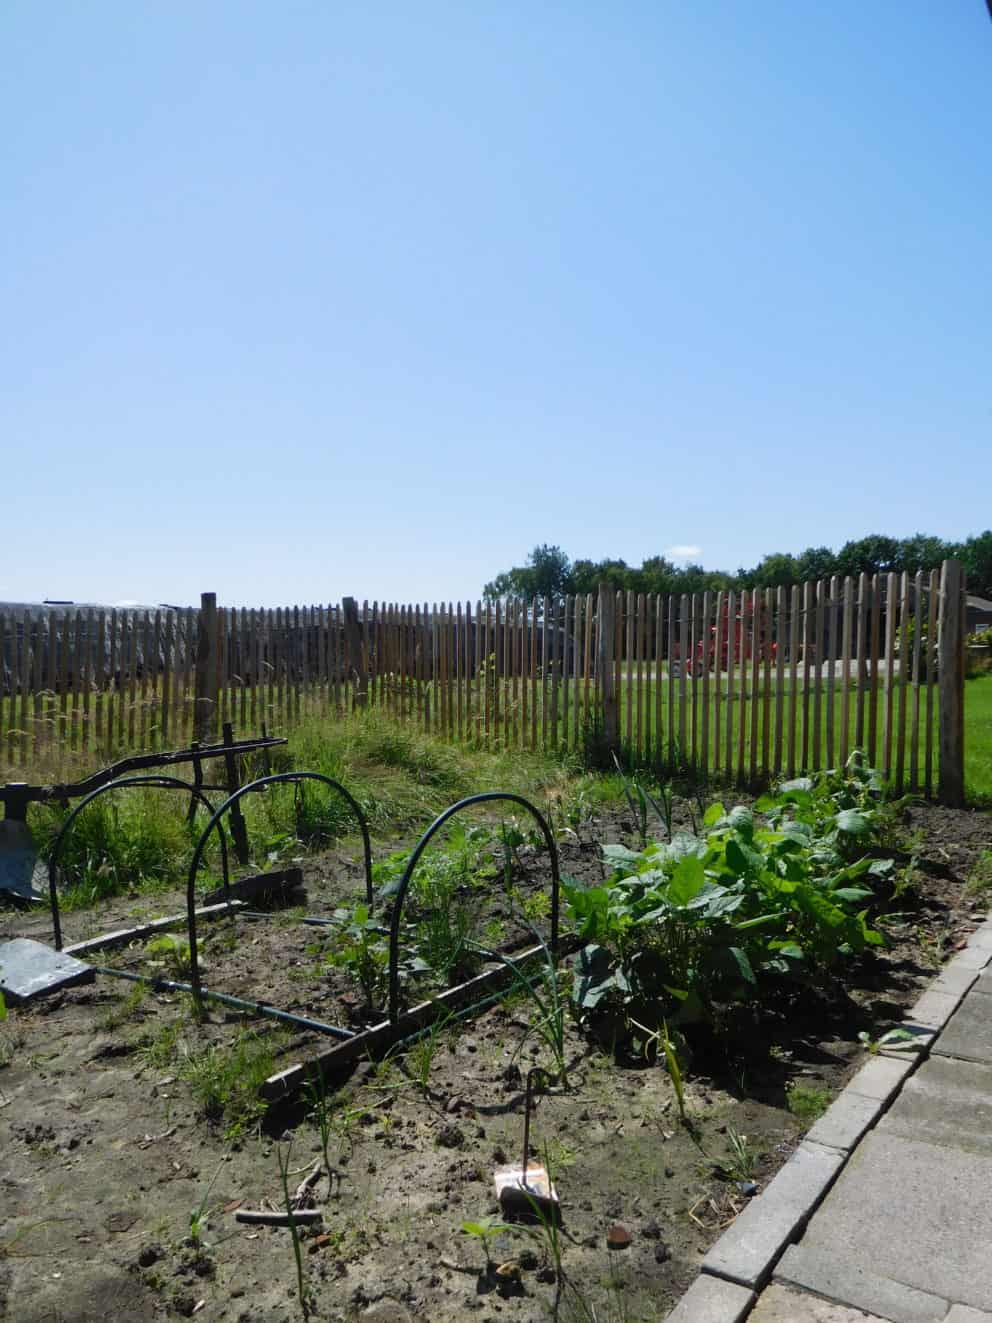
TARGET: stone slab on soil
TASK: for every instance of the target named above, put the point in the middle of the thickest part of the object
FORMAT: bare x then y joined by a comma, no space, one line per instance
880,1076
783,1304
946,1102
972,957
910,1211
845,1120
31,969
955,977
968,1036
984,983
843,1281
746,1252
935,1008
965,1314
712,1300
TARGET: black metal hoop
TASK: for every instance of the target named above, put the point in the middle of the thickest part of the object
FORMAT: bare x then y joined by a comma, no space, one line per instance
394,925
277,778
161,781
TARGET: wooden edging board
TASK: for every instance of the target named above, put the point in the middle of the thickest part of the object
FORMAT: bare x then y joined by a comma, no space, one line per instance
124,935
289,1081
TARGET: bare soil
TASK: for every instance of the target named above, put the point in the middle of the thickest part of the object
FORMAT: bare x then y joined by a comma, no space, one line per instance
105,1150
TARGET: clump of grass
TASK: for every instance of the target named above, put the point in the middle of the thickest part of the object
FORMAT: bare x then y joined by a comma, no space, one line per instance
225,1081
159,1049
123,841
140,839
807,1102
979,884
123,1009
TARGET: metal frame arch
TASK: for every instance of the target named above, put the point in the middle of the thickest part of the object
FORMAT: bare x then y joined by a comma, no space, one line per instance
276,778
163,782
485,797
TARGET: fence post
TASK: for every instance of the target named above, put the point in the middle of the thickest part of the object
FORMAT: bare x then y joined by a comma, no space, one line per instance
950,785
605,670
356,664
205,690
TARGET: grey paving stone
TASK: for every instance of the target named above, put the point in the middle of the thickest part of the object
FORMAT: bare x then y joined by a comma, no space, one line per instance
934,1008
910,1211
972,957
983,984
946,1102
964,1314
784,1304
981,938
851,1284
845,1120
969,1032
712,1300
955,977
746,1252
880,1076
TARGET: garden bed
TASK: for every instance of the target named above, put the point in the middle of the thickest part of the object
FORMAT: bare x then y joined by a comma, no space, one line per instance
121,1115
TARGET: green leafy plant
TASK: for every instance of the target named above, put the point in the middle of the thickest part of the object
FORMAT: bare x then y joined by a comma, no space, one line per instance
172,953
683,926
485,1232
359,946
896,1040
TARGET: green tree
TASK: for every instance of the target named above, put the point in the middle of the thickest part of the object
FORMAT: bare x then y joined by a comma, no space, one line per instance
548,573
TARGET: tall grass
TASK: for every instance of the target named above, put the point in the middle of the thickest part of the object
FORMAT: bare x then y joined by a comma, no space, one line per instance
402,778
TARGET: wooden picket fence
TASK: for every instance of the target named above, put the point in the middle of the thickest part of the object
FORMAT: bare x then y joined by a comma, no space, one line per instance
738,685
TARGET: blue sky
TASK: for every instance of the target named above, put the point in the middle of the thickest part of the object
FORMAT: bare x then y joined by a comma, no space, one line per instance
311,299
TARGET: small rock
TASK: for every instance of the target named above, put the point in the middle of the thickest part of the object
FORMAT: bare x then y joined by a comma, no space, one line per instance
618,1238
149,1254
661,1252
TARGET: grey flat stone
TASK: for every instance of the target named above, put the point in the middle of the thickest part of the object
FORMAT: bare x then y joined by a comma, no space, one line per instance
981,938
712,1300
845,1120
913,1212
935,1008
964,1314
880,1076
848,1283
946,1102
969,1032
784,1304
983,984
955,977
746,1252
972,957
31,969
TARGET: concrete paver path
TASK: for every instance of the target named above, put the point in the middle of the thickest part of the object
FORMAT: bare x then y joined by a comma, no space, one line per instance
905,1234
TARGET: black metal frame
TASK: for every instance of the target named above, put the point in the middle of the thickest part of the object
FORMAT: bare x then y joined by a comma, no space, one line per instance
162,782
394,927
278,778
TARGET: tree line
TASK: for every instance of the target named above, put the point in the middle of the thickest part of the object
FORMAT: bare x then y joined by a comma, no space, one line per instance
548,571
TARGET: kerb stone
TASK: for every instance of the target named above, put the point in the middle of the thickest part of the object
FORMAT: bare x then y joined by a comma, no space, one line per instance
746,1252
